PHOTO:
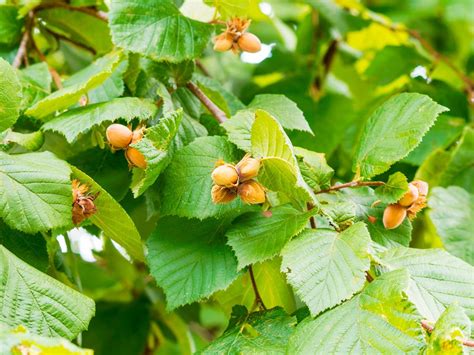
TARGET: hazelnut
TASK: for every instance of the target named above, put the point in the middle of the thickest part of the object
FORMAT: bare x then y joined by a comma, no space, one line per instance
248,42
223,42
135,158
248,168
221,194
118,135
393,216
410,196
252,192
225,175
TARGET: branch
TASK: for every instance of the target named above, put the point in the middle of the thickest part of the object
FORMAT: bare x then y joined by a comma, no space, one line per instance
351,184
312,221
258,299
24,41
429,328
219,115
86,10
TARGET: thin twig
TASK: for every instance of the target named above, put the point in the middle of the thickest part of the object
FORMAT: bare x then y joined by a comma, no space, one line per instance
312,221
351,184
368,277
86,10
202,68
24,41
219,115
426,324
258,298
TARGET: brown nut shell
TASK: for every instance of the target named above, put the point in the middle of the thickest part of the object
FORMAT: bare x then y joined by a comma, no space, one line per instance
135,158
248,168
221,194
252,192
248,42
225,175
119,136
223,42
410,196
393,216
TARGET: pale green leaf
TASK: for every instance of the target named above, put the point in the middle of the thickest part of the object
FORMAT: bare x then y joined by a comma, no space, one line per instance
10,95
78,121
157,29
112,218
43,304
85,80
452,213
185,187
437,279
157,148
379,320
36,191
393,131
19,340
190,260
265,332
393,189
256,237
238,129
314,168
231,8
30,141
326,267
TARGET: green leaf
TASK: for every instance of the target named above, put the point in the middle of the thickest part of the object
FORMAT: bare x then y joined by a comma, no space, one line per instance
157,29
283,109
460,169
256,237
157,148
394,130
393,189
43,304
379,320
190,260
29,248
437,279
325,267
452,213
36,84
265,332
78,27
78,121
80,83
231,8
19,340
30,141
10,25
185,187
36,192
452,326
314,169
238,129
10,95
112,218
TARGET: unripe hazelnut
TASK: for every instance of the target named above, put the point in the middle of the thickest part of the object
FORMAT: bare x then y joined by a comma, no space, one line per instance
221,194
225,175
118,135
248,42
223,42
422,187
251,192
247,168
410,196
136,158
393,216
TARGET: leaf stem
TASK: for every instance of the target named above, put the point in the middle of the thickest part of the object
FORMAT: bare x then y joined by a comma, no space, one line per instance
258,298
24,41
312,221
218,114
429,328
351,184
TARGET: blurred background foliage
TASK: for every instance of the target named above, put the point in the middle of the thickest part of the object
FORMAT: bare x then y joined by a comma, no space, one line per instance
337,59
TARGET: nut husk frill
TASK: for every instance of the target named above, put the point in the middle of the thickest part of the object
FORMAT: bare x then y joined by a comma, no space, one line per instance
221,194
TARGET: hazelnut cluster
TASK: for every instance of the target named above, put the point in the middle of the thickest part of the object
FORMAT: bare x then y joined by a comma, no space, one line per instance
409,205
120,137
230,181
82,202
236,38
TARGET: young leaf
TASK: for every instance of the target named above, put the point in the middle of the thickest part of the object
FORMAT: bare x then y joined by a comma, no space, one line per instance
190,260
325,267
437,279
112,218
379,320
157,148
43,304
231,8
393,131
255,237
10,98
157,29
186,185
36,191
314,169
78,121
452,213
80,83
262,332
393,189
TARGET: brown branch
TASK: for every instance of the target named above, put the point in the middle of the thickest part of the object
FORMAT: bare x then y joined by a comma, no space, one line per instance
86,10
368,277
351,184
258,298
429,328
24,41
312,221
219,115
202,68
